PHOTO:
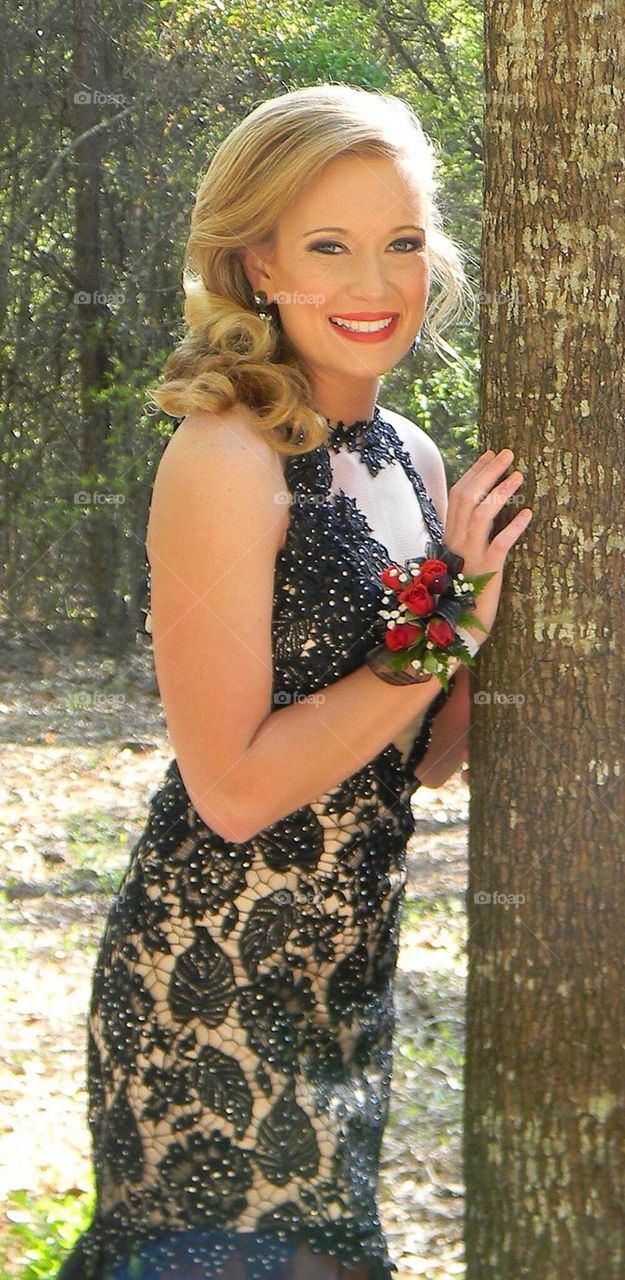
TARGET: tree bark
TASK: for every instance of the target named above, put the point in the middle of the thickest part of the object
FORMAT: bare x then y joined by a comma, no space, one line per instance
544,1128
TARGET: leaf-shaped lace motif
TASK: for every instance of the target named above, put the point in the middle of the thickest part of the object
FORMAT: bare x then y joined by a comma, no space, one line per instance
202,982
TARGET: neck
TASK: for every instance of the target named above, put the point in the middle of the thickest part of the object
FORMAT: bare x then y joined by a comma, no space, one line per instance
344,403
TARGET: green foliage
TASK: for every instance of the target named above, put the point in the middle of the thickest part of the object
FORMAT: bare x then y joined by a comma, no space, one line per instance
42,1230
75,392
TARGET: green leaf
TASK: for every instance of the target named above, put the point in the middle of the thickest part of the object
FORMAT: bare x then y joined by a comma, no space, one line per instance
470,620
430,662
478,583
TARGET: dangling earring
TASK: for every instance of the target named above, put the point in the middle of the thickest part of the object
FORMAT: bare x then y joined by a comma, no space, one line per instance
268,310
416,344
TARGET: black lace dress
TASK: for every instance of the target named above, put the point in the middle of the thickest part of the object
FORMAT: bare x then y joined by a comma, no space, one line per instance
240,1029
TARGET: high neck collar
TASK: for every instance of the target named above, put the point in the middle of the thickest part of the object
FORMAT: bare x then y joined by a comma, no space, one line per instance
340,432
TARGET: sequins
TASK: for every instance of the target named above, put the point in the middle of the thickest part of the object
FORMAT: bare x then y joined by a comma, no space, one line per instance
240,1027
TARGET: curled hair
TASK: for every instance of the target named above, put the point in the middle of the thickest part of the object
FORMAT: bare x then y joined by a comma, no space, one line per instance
229,353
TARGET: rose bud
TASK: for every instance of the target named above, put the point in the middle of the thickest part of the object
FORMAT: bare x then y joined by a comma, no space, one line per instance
402,636
440,632
435,575
417,598
390,577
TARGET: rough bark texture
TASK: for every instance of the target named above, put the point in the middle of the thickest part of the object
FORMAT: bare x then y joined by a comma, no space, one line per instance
545,1073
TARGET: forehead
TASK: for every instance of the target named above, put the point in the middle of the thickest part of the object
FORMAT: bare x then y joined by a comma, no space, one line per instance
359,193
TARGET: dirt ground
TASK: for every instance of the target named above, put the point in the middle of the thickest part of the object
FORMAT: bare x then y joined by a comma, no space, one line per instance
84,745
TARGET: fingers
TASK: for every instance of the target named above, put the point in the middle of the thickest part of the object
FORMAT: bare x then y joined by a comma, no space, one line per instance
478,495
486,477
475,500
488,464
488,504
507,537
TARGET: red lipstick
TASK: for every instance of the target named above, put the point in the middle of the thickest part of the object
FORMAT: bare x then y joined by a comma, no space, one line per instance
373,335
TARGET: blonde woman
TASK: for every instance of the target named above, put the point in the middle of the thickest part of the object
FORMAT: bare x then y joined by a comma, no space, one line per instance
240,1029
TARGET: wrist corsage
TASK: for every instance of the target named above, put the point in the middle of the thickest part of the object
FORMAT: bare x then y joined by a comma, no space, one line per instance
426,603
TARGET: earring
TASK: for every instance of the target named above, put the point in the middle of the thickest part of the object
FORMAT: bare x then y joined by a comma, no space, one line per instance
416,344
260,300
268,310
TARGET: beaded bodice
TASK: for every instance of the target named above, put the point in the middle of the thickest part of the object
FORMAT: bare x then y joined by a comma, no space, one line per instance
331,548
331,556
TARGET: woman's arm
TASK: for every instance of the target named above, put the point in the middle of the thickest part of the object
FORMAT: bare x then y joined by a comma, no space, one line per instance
450,729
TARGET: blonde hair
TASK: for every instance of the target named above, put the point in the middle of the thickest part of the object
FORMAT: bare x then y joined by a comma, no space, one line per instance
229,353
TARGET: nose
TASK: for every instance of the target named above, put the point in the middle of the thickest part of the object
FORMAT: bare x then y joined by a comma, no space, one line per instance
369,279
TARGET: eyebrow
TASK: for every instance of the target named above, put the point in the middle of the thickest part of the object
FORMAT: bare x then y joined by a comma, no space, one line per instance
344,231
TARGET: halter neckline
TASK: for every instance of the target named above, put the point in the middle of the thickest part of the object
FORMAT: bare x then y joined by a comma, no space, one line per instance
342,431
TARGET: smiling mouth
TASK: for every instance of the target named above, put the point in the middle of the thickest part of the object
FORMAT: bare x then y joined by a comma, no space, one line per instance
362,326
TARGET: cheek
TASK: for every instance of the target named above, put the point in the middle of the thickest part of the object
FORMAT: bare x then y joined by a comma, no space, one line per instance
311,289
420,277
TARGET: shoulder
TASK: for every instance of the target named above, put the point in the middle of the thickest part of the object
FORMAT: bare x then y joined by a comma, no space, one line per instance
219,461
227,432
425,456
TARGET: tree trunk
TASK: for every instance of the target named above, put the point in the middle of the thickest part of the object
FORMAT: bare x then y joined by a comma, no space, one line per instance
92,312
545,1071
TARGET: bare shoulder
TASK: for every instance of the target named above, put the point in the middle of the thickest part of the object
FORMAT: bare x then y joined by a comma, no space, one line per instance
229,432
425,456
213,455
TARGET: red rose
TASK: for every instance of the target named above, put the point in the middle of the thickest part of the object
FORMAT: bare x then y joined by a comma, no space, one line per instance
417,598
390,577
432,574
402,636
440,632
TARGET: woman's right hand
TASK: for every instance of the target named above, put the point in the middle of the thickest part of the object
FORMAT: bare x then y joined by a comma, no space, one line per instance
474,501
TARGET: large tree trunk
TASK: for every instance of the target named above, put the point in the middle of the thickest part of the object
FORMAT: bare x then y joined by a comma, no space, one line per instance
545,1071
92,311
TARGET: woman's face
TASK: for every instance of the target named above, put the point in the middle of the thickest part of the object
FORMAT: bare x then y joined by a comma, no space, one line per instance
372,266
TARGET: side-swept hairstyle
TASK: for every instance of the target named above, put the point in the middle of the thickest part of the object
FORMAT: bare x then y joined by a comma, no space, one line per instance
228,353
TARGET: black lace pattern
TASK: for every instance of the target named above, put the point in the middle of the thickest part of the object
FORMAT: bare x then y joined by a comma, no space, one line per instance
239,1041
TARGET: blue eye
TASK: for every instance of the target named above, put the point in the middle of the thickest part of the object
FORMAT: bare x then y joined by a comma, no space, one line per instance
414,244
328,244
324,244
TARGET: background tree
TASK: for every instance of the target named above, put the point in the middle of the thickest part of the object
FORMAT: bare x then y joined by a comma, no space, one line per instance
544,1127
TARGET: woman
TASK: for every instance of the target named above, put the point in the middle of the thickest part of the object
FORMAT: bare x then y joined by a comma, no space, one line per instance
239,1043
